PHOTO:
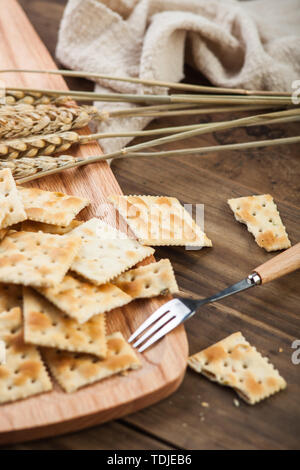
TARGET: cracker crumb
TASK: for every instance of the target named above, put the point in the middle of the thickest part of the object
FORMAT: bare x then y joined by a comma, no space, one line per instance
280,350
236,402
205,404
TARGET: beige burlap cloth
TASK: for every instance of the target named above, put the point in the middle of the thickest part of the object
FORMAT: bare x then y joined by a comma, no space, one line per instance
250,44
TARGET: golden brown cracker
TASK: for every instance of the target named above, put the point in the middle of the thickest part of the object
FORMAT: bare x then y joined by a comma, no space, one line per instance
237,364
262,218
46,325
159,220
36,259
73,371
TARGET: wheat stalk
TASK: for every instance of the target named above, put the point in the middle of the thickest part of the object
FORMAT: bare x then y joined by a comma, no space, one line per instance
34,99
164,99
126,152
156,83
170,110
176,129
53,143
203,150
25,167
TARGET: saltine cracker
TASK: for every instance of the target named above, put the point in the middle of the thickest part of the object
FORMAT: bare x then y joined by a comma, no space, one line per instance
46,325
73,371
237,364
159,220
262,218
105,252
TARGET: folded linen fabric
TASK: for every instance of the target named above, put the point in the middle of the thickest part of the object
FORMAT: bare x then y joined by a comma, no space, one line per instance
250,44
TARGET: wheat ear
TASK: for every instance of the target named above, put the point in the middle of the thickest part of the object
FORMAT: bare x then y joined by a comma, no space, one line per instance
26,120
37,145
25,167
22,97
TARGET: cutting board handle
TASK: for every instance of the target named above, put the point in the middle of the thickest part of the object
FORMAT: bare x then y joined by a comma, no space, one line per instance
282,264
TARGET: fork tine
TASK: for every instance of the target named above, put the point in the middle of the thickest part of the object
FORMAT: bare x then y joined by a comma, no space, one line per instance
155,316
162,332
161,322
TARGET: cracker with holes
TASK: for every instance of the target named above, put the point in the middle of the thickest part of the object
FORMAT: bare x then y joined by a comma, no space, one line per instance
10,319
262,218
36,259
31,226
23,373
237,364
105,252
51,207
45,325
11,205
10,297
73,371
148,281
82,300
160,220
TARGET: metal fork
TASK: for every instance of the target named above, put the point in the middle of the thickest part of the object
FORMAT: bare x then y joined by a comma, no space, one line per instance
180,309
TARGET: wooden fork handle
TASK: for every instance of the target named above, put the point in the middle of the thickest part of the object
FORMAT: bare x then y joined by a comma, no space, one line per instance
282,264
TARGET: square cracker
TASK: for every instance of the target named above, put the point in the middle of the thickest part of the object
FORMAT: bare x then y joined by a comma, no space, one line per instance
51,207
45,325
11,206
36,259
10,297
234,362
262,218
81,300
159,220
31,226
23,373
148,281
73,371
105,252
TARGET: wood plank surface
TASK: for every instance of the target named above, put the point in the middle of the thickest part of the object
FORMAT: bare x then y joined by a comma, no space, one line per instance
164,365
268,315
116,435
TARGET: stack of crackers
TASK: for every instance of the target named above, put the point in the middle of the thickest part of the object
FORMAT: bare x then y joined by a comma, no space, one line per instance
59,279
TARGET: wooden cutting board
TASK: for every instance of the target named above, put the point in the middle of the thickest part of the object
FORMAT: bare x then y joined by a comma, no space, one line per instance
164,364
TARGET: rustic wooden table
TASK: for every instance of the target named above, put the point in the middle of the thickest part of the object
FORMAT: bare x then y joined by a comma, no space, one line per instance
267,316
